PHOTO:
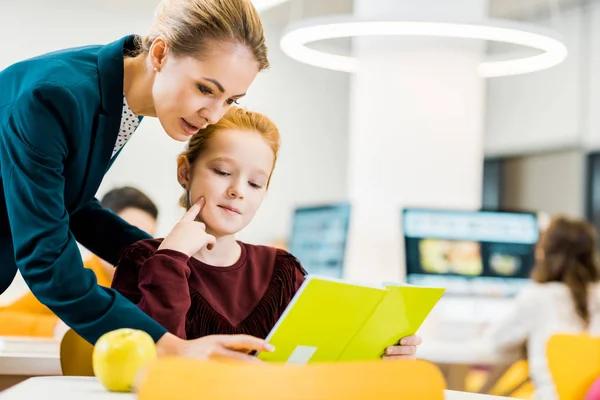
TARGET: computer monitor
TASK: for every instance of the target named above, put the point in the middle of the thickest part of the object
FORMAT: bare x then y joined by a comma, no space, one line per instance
488,253
319,236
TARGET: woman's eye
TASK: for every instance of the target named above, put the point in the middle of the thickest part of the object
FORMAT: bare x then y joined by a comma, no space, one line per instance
204,89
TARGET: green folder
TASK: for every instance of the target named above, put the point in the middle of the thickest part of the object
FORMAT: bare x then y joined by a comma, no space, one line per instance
335,320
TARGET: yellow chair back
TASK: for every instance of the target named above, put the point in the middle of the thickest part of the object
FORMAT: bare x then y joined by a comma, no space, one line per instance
183,379
574,362
76,355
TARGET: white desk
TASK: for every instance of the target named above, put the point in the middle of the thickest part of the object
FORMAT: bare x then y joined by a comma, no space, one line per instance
473,353
29,356
21,358
78,388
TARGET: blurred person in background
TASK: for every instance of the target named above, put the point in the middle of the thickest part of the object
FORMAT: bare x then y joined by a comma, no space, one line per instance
564,298
28,317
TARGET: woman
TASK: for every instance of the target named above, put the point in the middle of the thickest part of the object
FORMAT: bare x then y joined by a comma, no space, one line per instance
565,298
64,118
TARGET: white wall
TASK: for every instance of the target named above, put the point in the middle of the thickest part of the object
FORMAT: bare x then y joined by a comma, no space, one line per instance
553,109
538,111
32,27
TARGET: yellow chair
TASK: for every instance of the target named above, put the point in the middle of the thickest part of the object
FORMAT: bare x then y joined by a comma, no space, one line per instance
76,355
184,379
574,362
514,383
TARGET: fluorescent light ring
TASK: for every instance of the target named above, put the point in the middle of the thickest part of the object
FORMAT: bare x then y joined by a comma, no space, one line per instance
553,50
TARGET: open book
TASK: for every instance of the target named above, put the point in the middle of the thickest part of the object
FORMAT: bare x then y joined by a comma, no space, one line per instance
335,320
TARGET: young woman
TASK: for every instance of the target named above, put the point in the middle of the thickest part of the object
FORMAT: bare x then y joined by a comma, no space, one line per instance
64,118
199,281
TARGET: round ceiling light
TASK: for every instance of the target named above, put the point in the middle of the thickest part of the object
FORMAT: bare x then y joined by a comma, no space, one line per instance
553,51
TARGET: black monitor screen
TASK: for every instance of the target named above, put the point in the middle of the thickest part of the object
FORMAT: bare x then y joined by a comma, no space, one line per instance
319,236
474,252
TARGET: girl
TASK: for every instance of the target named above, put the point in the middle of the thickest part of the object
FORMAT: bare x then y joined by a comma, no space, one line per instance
200,282
65,117
564,299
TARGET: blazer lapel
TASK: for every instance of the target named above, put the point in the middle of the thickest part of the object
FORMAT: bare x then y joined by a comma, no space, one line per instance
108,122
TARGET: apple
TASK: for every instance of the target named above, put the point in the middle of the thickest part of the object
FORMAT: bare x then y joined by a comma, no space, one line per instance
120,355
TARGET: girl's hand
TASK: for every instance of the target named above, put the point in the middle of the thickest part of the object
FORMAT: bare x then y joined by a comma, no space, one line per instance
189,236
406,349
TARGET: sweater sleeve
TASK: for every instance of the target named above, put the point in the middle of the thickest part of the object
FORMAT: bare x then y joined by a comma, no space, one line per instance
157,281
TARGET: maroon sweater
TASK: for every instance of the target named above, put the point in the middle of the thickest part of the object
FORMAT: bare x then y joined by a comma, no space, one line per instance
192,299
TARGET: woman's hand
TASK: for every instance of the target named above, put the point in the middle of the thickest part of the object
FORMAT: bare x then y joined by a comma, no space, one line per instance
189,236
228,347
406,349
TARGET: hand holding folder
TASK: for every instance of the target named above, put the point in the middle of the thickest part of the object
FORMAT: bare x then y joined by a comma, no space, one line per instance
332,320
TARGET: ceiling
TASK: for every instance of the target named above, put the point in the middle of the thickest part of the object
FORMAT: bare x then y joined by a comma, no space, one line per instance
511,9
521,9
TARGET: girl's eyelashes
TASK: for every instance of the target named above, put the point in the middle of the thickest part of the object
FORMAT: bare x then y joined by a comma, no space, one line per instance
220,172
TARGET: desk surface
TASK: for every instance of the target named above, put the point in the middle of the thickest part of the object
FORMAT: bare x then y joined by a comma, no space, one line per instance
473,353
40,357
29,356
77,388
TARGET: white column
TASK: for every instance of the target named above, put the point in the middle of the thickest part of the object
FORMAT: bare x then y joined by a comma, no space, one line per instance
416,130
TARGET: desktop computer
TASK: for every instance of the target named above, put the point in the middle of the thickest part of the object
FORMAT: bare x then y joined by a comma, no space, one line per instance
482,258
319,236
472,253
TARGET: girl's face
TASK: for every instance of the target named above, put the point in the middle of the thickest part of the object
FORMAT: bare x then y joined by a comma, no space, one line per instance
231,174
190,94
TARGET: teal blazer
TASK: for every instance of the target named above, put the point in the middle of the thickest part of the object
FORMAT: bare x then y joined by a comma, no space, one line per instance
60,115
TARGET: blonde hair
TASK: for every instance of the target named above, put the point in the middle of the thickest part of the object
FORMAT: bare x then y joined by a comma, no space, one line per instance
188,27
234,118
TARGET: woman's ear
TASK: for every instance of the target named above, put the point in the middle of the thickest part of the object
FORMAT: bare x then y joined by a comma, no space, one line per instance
183,171
158,53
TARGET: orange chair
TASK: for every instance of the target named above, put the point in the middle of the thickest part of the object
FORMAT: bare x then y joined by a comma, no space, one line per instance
76,355
574,362
183,379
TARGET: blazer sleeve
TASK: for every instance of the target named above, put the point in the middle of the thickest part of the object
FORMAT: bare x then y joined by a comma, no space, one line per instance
34,142
110,234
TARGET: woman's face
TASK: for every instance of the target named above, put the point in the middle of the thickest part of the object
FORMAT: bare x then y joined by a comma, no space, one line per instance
190,94
232,175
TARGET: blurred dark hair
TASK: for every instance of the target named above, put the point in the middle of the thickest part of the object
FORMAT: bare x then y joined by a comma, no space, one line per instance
119,199
569,256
